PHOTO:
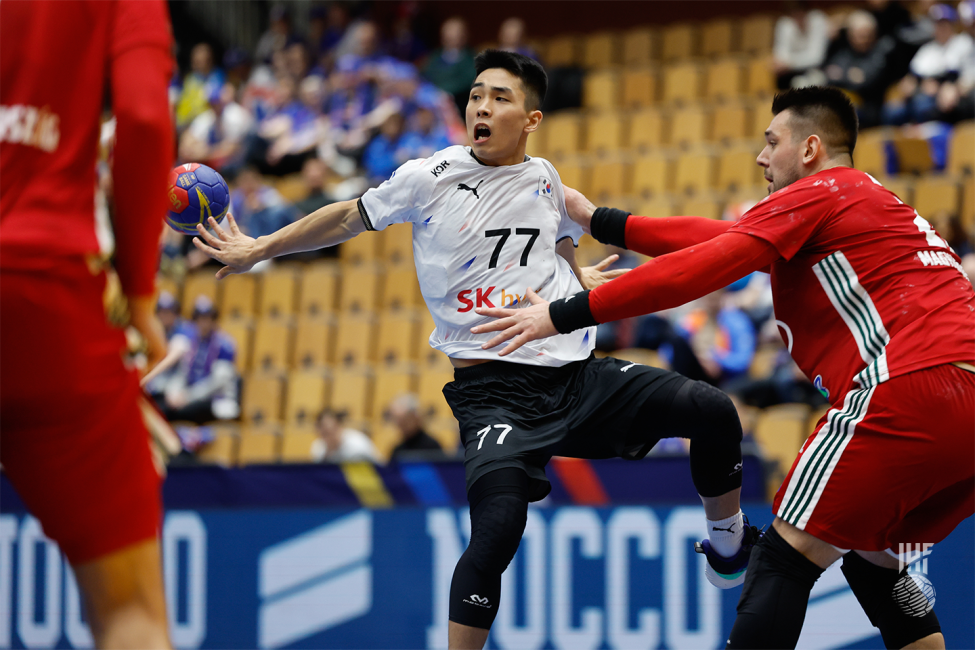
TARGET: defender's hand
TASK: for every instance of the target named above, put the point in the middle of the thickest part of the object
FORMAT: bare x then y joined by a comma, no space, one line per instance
521,325
142,316
593,276
580,208
235,249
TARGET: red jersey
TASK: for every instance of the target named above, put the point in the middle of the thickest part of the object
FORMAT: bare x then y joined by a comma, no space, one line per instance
865,290
57,59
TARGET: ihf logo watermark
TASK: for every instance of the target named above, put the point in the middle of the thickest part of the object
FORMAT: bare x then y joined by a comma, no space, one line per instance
914,592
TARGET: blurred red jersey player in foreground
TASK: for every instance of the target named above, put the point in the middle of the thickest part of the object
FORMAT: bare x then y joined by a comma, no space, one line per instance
74,444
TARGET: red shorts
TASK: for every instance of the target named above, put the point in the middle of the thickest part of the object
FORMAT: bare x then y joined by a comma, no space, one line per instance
74,444
895,463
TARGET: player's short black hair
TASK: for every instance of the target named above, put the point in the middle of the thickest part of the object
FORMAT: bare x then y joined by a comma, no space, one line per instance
530,71
822,110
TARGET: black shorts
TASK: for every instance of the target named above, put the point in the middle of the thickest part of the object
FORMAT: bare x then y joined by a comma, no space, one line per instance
515,415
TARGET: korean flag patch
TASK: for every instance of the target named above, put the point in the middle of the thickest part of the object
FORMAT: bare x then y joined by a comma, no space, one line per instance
544,187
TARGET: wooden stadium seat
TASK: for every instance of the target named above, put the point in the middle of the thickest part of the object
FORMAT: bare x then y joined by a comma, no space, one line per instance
307,396
262,397
222,450
279,292
639,88
815,416
259,445
756,34
652,175
640,355
385,437
761,117
647,128
737,170
241,330
589,250
968,205
661,206
609,178
446,431
763,362
937,198
296,444
397,244
167,284
292,188
913,155
639,46
718,37
780,431
360,249
730,122
725,79
902,186
689,126
536,145
238,295
605,132
563,51
361,287
702,206
601,89
313,338
272,343
198,283
563,133
961,149
397,340
430,385
682,83
391,382
869,154
679,42
759,78
574,172
694,172
401,289
355,338
352,391
319,290
600,50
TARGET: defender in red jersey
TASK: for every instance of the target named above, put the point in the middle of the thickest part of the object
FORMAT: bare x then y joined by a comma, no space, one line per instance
875,308
74,444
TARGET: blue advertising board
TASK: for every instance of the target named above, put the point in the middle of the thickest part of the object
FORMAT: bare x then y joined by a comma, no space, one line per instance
585,577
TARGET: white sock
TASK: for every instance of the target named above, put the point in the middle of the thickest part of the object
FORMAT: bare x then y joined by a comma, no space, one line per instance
726,534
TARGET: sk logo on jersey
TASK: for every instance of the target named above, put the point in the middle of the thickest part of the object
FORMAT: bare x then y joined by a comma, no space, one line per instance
472,190
544,187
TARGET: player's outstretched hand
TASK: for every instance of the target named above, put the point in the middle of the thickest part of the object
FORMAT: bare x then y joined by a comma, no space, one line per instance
518,325
580,208
593,276
235,249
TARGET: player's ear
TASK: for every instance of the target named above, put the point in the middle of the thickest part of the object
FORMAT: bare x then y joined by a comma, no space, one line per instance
811,148
534,121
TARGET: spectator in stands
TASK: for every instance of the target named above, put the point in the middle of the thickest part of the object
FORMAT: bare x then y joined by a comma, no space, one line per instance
425,136
257,207
276,36
801,39
201,83
405,45
218,135
511,38
297,58
204,386
338,23
451,67
404,411
179,335
313,174
935,63
337,443
860,66
385,153
722,337
956,98
291,133
237,66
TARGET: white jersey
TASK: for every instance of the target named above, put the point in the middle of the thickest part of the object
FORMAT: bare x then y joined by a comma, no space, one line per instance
481,236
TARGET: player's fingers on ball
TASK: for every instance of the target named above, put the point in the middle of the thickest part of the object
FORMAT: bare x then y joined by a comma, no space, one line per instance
233,224
217,229
203,247
207,235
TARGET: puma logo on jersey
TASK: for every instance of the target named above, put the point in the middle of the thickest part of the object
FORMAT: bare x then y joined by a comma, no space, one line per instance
473,190
439,169
729,529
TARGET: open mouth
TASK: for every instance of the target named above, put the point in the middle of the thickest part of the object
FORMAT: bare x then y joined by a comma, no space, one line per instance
481,133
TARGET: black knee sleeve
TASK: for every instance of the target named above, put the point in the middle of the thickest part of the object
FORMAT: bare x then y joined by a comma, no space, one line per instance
708,417
499,510
892,601
773,601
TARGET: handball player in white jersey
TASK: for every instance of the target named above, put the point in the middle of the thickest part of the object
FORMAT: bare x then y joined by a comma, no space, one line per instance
489,226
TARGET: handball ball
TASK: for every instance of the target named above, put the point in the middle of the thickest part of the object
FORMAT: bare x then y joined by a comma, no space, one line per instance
196,193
